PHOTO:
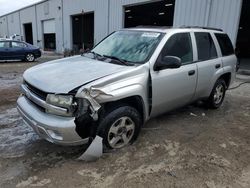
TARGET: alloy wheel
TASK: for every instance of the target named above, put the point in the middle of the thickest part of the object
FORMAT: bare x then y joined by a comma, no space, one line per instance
30,57
121,132
219,93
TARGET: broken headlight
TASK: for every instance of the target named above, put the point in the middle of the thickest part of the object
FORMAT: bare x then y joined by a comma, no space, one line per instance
66,102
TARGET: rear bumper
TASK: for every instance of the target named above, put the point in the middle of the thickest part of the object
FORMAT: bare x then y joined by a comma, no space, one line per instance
55,129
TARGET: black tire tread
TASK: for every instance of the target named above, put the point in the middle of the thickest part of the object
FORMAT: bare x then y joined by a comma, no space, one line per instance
110,117
26,57
210,102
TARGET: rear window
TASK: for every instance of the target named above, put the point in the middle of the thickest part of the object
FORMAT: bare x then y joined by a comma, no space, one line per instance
205,46
225,44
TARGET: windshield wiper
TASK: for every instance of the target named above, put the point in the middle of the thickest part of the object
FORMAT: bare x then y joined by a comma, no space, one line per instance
122,61
96,55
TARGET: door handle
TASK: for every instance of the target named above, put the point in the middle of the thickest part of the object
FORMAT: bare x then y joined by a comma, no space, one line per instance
192,72
217,66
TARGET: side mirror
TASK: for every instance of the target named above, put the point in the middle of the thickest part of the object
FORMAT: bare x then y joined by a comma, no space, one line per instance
168,62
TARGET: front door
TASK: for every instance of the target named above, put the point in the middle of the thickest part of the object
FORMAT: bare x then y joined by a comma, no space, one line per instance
4,50
172,88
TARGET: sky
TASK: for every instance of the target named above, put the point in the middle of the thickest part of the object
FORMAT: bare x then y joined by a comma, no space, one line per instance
7,6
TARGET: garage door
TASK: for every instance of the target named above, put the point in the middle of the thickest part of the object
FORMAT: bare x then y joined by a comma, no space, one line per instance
49,35
49,26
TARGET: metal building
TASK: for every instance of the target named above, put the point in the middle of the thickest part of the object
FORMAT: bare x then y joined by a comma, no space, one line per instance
63,24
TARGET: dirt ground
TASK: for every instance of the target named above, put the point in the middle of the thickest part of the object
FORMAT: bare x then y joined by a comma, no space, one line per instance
190,147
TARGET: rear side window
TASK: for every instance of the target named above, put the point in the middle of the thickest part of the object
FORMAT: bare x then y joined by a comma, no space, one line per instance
179,45
205,46
18,45
225,44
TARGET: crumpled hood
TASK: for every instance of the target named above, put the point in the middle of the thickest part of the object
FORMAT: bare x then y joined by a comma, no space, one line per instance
64,75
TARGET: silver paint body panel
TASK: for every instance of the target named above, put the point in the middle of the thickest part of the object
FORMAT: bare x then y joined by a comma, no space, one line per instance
171,88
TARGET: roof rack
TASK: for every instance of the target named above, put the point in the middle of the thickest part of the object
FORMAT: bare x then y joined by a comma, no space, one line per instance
200,27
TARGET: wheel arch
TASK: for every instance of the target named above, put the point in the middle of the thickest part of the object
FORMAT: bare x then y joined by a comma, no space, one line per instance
135,101
227,78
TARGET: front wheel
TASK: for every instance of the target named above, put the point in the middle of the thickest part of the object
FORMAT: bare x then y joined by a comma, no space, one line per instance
30,57
120,127
217,95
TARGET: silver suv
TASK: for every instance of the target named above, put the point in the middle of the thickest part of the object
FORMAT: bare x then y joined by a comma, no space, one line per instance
126,79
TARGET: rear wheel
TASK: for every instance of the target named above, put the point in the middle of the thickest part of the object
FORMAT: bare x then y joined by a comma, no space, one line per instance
217,95
120,127
30,57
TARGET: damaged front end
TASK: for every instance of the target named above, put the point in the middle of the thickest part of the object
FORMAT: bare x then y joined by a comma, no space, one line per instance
86,121
87,113
87,102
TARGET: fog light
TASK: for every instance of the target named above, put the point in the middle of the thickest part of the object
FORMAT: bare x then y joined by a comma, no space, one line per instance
55,135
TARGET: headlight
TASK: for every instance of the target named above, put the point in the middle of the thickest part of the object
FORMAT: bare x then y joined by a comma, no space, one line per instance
60,100
64,101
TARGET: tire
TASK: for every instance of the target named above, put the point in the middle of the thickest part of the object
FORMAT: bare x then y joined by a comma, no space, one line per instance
217,95
30,57
120,127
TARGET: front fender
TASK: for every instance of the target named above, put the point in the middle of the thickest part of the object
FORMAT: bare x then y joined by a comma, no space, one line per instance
123,92
135,90
120,86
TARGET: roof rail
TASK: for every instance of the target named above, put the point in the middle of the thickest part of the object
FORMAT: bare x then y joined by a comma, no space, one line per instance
153,26
200,27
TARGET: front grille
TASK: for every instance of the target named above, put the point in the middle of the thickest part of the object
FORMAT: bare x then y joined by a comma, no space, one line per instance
41,94
38,98
38,107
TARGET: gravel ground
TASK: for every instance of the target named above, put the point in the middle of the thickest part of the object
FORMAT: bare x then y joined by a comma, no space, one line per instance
189,147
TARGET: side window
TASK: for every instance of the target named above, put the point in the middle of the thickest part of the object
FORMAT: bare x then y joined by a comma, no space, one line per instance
205,46
225,44
17,45
179,45
4,44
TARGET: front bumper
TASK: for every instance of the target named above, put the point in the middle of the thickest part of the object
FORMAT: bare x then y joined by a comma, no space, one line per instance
38,53
55,129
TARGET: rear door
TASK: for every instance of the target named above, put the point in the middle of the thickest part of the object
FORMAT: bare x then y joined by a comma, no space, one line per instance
4,50
172,88
209,65
229,59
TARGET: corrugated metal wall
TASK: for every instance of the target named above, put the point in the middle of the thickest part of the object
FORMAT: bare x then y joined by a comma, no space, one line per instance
14,23
3,27
116,19
224,14
28,15
190,12
100,9
49,10
109,16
